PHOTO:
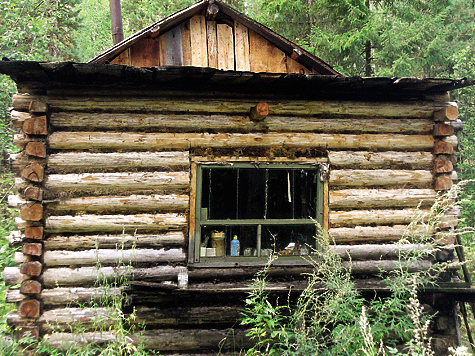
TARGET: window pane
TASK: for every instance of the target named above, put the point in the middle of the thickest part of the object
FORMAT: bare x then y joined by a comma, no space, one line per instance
219,193
216,240
305,193
251,193
288,240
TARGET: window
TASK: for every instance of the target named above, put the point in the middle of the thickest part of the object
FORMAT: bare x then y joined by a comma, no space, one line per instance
265,206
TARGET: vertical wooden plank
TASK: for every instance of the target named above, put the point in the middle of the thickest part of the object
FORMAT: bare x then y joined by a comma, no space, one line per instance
295,67
174,47
163,50
145,53
265,57
186,40
123,58
225,47
191,231
212,44
199,48
241,47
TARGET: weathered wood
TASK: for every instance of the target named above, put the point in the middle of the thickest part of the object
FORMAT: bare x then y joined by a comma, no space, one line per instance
373,217
441,147
30,287
265,57
32,212
21,224
211,34
373,160
99,183
164,141
359,234
162,44
124,204
14,238
451,113
382,177
18,118
66,341
37,107
115,223
20,257
32,249
34,232
182,315
443,182
241,47
130,161
68,296
34,173
12,276
29,191
75,242
443,164
416,109
37,149
145,53
295,67
32,269
199,55
235,123
225,41
69,318
186,41
174,47
32,332
29,308
442,129
378,252
211,12
89,276
35,125
259,111
21,140
113,257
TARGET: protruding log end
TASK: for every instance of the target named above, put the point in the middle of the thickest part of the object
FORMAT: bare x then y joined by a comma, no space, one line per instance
296,53
29,331
443,182
33,172
445,238
38,107
30,287
35,126
443,164
34,232
32,269
443,147
29,308
211,12
259,112
32,212
33,193
450,113
442,129
32,249
36,149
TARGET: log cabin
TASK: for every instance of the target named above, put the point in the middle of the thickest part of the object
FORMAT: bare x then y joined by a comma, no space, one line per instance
151,160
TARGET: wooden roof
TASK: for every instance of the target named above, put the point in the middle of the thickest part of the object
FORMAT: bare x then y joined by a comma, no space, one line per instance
212,34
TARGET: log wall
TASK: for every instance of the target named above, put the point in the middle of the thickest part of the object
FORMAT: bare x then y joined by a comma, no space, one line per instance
104,186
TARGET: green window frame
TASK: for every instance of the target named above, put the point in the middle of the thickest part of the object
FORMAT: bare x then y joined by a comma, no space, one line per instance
270,207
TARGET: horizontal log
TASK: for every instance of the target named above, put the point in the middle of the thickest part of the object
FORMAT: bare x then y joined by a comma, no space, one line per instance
75,242
380,198
89,276
12,276
98,183
113,257
130,161
383,177
18,118
115,223
20,257
21,224
366,234
450,112
201,342
374,160
14,238
182,315
69,318
69,296
374,217
231,123
37,106
124,204
21,141
229,106
20,160
165,141
380,252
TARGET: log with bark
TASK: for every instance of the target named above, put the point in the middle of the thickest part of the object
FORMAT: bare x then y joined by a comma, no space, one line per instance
119,204
115,257
229,106
234,123
115,223
378,234
375,217
350,199
382,177
182,141
375,160
78,242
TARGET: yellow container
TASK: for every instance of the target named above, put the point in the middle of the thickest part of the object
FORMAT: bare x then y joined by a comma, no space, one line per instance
217,242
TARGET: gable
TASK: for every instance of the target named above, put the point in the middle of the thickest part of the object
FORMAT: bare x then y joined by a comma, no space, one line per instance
211,34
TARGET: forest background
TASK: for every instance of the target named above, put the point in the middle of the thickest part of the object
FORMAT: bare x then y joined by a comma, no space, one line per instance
391,38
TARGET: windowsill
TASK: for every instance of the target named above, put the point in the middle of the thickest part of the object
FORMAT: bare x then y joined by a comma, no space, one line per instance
207,262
